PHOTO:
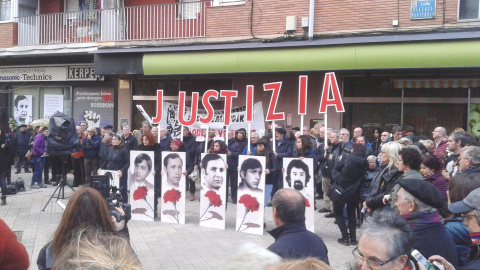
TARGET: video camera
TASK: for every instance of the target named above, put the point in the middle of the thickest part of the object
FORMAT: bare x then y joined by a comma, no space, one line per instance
114,199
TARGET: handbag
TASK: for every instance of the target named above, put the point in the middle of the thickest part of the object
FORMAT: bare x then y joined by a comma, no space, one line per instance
335,192
29,155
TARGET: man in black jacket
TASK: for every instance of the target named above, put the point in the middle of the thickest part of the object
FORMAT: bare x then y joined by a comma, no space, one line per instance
292,240
283,149
234,150
190,146
21,144
129,141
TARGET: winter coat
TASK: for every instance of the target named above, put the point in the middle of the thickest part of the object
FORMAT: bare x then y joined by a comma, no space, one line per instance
190,146
440,150
5,152
21,142
283,149
381,185
439,182
352,170
459,233
473,171
130,142
329,161
339,156
91,146
39,145
293,241
474,264
200,151
376,145
236,149
116,158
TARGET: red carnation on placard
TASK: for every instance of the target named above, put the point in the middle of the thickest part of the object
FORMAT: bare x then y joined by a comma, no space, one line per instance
251,205
140,193
173,196
214,199
307,203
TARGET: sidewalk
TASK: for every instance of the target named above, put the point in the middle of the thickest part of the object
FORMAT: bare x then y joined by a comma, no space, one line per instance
158,245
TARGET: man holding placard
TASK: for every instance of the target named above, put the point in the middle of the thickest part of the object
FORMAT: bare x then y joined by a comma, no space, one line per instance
283,149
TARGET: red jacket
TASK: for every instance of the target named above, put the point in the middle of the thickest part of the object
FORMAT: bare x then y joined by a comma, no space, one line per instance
13,254
440,150
79,154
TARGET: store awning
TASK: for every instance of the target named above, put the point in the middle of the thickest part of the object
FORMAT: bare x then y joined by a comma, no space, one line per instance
402,55
437,83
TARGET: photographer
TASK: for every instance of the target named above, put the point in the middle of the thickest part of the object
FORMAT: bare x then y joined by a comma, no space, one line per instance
118,159
86,209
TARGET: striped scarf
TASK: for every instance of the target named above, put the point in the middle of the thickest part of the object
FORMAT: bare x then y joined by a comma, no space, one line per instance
475,237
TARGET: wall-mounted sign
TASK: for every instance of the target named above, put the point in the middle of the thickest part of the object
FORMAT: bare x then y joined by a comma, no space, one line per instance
49,73
424,9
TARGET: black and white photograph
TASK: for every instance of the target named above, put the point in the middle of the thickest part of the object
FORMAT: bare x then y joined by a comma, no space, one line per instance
173,187
142,189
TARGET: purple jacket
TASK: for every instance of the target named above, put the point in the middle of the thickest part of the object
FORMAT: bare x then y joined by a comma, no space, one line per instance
39,145
439,182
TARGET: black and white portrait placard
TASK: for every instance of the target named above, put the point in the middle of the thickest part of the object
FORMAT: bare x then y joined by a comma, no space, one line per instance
298,174
173,187
142,187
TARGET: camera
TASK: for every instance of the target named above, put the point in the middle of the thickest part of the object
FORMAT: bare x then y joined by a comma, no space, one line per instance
112,195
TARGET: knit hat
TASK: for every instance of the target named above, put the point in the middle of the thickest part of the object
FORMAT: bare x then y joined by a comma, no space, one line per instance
177,142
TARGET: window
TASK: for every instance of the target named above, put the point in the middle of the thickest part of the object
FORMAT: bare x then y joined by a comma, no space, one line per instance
190,9
468,10
5,10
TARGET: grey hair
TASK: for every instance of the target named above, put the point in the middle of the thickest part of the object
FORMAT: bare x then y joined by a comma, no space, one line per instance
336,133
405,141
145,122
419,205
127,126
371,158
255,134
388,227
443,131
363,137
346,131
472,153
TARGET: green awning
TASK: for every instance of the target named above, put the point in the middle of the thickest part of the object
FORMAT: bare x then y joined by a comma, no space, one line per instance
433,54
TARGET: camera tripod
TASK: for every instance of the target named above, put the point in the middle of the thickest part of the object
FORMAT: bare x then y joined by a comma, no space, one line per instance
61,186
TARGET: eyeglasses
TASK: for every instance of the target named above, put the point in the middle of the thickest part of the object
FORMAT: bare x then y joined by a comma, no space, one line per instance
373,264
467,217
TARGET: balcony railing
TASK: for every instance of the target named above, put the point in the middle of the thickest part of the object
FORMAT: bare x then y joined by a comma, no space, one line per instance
167,21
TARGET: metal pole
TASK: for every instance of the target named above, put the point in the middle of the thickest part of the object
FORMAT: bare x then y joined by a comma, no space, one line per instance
468,110
401,108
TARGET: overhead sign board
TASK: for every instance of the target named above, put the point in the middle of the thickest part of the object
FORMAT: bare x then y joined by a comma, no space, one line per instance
49,73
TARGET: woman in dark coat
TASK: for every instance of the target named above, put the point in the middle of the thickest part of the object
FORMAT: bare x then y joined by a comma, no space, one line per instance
305,149
384,181
5,150
376,140
117,158
352,171
148,143
431,172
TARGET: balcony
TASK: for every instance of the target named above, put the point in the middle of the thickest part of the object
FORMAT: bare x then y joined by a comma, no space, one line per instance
166,21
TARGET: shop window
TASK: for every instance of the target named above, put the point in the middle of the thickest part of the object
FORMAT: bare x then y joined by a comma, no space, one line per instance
425,117
468,10
369,87
5,10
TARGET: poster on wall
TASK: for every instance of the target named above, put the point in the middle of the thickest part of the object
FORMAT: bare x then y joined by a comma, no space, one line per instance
52,104
95,105
238,120
22,110
142,188
213,193
474,119
251,194
299,176
173,187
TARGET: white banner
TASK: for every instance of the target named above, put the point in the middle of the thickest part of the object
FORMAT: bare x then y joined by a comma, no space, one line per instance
49,73
238,118
52,104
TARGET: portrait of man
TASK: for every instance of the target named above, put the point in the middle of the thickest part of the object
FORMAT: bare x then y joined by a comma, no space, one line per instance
23,109
297,174
213,171
251,172
142,168
142,189
173,165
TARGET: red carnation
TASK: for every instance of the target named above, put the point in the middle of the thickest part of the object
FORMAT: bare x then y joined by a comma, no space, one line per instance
214,198
140,193
251,205
250,202
173,196
307,203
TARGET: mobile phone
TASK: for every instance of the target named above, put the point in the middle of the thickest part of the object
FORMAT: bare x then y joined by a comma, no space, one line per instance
421,259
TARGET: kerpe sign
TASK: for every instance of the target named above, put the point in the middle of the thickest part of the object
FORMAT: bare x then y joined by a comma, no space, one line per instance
49,74
194,117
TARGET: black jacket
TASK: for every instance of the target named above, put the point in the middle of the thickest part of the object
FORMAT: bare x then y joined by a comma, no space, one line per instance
117,158
352,170
21,142
5,152
91,147
283,149
313,155
190,148
130,142
236,149
381,185
293,241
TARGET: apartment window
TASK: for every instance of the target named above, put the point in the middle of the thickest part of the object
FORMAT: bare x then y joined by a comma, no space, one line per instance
468,10
5,10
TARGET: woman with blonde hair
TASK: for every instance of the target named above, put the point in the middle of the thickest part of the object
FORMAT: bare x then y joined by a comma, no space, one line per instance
94,249
302,264
384,181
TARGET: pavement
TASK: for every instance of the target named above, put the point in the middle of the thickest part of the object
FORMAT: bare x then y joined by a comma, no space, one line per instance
158,245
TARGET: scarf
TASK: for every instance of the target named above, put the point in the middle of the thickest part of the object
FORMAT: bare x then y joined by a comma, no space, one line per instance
475,238
422,218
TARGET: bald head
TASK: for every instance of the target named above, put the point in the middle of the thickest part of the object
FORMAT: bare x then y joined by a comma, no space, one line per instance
289,206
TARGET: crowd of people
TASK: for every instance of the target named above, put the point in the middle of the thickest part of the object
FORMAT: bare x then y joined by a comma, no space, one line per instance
410,192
